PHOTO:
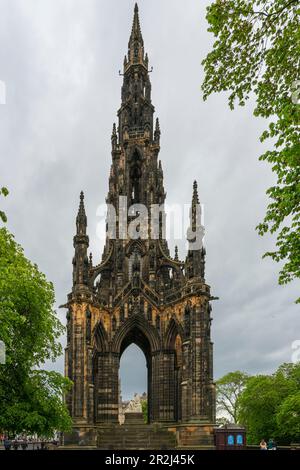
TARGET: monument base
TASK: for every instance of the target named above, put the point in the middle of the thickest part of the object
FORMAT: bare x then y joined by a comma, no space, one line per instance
194,435
135,434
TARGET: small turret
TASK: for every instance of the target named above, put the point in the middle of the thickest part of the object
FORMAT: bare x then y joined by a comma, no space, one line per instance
114,138
157,132
195,260
81,244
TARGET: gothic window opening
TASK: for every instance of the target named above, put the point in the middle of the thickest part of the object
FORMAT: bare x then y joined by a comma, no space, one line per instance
133,386
134,264
135,373
178,375
136,50
135,178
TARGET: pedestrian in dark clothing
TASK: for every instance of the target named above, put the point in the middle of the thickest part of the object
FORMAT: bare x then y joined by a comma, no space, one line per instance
24,445
271,444
15,445
7,444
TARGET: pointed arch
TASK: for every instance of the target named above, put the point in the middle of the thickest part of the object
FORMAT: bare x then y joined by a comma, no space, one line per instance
135,245
174,329
100,338
136,154
136,330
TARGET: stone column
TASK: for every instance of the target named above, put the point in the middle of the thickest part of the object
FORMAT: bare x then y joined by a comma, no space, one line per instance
107,388
186,382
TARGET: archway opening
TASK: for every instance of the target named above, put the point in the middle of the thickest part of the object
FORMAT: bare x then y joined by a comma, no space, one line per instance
133,381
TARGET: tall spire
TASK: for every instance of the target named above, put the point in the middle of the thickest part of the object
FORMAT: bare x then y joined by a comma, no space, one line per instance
81,219
136,28
195,215
114,137
136,112
195,193
136,43
195,209
81,243
195,261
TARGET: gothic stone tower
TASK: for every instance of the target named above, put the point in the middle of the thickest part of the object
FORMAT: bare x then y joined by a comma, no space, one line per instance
139,293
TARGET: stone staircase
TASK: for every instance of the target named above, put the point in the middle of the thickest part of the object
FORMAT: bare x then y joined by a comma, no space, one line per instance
135,436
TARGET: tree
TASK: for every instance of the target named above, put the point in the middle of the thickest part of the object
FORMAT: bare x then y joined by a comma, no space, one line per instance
144,404
38,407
229,389
261,402
288,418
257,53
31,399
3,192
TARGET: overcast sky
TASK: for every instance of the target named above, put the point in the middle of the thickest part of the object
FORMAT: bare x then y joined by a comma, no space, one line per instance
60,61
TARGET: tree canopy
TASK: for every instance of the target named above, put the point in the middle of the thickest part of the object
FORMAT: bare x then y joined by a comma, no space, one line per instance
31,399
229,389
3,192
256,54
269,405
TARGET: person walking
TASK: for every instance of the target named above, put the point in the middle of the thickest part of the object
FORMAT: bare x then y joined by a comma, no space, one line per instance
271,444
263,445
7,443
15,444
24,444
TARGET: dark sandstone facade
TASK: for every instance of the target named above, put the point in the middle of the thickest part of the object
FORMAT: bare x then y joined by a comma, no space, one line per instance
139,293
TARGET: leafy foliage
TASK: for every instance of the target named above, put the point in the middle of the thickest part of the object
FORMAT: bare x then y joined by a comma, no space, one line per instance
229,389
288,418
37,407
144,404
31,399
257,52
3,192
268,404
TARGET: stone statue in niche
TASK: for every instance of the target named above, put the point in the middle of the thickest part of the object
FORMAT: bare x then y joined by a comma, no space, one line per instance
149,312
120,258
88,325
187,320
122,313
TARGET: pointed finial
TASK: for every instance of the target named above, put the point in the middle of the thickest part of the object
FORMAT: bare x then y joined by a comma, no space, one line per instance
157,128
81,210
176,253
114,138
91,259
195,193
81,219
136,43
136,22
157,132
